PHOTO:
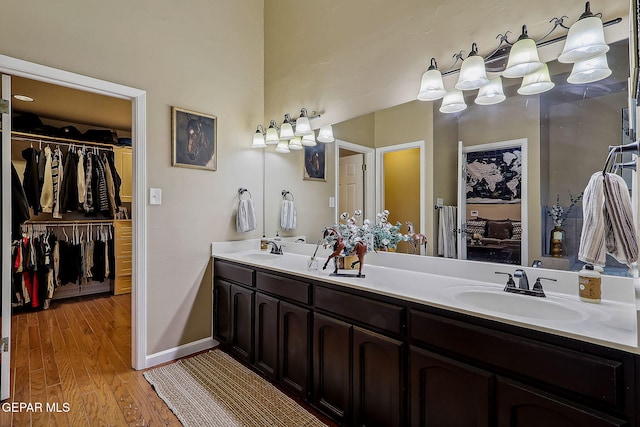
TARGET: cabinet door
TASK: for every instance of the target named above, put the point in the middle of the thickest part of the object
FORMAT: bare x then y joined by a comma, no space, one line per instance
266,335
523,406
332,366
124,165
444,392
294,348
241,338
221,310
377,380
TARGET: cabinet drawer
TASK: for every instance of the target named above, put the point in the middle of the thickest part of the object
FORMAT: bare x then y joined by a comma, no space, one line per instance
122,285
595,377
369,312
233,272
284,287
123,266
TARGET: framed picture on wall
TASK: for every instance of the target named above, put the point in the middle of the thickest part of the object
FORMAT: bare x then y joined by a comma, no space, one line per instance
193,139
314,163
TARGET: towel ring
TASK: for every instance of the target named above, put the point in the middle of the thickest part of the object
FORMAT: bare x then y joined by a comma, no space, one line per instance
286,193
241,192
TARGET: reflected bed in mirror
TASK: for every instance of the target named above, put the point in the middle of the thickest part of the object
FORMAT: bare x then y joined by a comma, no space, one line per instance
568,131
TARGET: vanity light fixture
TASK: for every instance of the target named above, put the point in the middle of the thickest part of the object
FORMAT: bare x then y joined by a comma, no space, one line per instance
325,135
491,93
523,57
431,85
473,73
453,102
585,39
536,82
296,130
590,70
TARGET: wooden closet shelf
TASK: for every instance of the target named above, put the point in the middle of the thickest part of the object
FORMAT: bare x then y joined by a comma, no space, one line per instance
31,137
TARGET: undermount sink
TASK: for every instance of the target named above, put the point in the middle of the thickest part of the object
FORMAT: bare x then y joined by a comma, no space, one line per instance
519,305
260,256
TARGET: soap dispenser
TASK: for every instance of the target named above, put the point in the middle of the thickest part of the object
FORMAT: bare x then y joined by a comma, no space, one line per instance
263,243
589,281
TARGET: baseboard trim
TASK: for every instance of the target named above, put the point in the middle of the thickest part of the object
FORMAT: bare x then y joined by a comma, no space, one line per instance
180,351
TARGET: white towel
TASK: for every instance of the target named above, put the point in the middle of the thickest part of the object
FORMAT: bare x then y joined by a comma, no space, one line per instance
288,215
246,217
447,245
607,225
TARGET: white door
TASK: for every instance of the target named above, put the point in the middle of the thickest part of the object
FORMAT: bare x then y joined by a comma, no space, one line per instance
462,203
351,184
6,239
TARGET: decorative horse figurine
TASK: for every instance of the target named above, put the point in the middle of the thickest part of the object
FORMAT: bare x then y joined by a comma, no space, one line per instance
359,248
417,239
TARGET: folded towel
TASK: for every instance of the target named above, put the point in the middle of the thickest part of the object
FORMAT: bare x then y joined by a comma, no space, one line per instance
288,215
607,221
246,217
446,232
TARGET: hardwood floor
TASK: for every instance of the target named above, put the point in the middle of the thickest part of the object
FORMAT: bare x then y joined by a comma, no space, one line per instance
77,354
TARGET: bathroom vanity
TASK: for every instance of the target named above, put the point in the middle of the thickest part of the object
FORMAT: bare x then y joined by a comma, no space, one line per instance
408,347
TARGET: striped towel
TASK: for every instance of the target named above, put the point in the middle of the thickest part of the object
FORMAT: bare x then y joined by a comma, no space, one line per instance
447,242
608,225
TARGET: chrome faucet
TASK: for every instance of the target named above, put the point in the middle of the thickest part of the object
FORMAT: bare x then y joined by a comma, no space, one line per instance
523,282
277,250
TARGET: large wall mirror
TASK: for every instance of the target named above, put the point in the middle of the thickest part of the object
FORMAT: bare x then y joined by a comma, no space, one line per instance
568,131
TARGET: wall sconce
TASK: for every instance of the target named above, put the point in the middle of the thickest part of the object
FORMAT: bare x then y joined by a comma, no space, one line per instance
536,82
585,39
589,71
523,57
292,134
473,73
453,102
431,85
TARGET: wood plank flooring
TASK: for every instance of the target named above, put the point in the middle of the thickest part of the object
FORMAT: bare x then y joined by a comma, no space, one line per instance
78,353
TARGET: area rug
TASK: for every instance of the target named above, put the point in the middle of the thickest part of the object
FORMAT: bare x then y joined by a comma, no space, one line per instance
212,389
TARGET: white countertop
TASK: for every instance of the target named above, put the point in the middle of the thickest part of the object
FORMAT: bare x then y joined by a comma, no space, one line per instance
471,288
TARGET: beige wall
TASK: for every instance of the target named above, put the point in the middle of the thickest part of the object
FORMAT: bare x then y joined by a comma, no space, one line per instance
201,55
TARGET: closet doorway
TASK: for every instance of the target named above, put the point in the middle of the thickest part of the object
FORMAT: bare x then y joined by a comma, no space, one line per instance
136,101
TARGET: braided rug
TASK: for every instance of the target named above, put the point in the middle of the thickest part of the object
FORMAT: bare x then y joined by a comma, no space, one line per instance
212,389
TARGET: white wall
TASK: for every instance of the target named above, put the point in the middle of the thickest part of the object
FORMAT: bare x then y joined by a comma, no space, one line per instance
201,55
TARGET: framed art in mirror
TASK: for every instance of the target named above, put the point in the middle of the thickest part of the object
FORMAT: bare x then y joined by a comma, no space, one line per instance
314,163
193,139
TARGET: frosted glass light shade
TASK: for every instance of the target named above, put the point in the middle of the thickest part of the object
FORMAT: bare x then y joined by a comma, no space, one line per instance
295,143
303,126
591,70
282,147
453,102
491,93
536,82
431,86
286,131
325,135
472,74
523,59
585,40
309,140
258,140
271,138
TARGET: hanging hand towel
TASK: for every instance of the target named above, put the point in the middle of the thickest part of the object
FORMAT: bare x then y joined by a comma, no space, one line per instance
608,225
446,232
246,217
288,215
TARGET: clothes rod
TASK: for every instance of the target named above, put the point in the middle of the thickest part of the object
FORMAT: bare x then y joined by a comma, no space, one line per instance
70,222
79,144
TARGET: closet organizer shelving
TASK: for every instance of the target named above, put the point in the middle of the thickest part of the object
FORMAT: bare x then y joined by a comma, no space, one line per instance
120,229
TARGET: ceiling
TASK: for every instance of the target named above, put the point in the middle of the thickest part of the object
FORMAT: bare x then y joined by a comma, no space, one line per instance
71,105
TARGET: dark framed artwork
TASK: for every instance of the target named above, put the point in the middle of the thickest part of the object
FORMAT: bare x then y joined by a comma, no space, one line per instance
314,163
193,139
494,176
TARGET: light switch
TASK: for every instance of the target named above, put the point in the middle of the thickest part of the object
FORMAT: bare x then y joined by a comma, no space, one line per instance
332,202
439,201
155,196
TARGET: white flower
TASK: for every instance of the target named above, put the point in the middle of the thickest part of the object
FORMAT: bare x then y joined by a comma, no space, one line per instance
344,215
367,222
385,212
357,212
385,242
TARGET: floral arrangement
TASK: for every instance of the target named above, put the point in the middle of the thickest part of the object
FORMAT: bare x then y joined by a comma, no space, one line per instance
559,214
380,234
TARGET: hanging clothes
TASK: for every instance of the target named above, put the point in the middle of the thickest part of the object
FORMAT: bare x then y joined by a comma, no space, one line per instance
69,189
57,172
88,195
81,179
31,180
19,204
46,196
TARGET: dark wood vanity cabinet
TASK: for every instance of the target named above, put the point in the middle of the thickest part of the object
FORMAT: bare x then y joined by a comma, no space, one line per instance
365,359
